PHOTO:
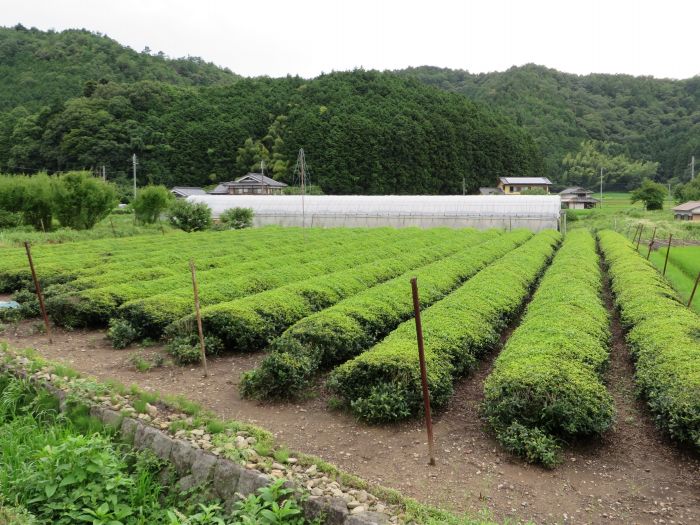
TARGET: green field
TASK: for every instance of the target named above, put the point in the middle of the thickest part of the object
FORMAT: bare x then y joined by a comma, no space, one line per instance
115,225
619,214
336,303
682,270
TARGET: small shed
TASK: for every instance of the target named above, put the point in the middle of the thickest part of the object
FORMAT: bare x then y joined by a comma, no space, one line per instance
688,211
577,198
515,185
250,184
182,192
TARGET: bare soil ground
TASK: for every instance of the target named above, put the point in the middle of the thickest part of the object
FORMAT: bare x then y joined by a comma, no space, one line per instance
633,475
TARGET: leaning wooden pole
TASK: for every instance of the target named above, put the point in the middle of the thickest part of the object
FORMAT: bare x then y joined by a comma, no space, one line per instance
423,370
668,250
199,317
639,239
651,243
39,294
695,287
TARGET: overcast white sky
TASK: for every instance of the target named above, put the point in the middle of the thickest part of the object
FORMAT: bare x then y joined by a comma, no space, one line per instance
307,37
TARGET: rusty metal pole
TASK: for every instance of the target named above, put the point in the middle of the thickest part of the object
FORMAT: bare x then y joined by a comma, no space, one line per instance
695,287
199,316
640,236
114,233
651,243
636,231
37,287
668,250
423,371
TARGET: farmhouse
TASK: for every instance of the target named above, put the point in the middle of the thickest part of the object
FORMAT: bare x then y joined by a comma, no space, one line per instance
250,184
577,198
516,185
182,192
689,211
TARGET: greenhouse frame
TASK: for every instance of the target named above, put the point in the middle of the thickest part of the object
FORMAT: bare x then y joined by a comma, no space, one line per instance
534,212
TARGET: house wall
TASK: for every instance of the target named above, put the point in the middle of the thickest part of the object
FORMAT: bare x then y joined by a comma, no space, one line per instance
516,189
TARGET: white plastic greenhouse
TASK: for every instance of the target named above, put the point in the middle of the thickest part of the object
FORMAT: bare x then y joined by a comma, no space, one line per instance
476,211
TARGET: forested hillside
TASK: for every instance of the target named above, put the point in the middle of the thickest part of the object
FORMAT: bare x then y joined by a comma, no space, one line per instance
42,68
644,118
79,100
363,132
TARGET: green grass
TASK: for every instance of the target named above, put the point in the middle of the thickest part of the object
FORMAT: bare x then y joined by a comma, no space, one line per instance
123,227
679,279
619,214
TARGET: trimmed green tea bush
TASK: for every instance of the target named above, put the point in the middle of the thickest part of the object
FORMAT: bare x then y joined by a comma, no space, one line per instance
546,384
336,334
249,324
457,331
664,338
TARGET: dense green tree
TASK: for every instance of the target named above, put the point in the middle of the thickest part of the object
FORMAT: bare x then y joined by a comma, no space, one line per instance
81,200
647,119
652,194
689,191
619,171
150,203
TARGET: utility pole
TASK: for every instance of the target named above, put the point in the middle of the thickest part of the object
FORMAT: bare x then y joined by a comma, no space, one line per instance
692,167
670,199
134,162
464,187
104,173
601,187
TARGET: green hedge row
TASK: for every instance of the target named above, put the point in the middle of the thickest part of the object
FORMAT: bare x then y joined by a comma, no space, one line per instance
94,307
110,256
546,383
151,315
250,323
383,383
334,335
664,338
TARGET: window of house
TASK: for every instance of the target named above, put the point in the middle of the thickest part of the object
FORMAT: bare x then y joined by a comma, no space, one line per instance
511,188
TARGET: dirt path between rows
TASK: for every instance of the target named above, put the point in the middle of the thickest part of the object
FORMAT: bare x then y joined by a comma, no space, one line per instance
634,475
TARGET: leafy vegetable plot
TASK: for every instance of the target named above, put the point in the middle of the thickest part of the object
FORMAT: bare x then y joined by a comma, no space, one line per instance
663,335
546,384
383,383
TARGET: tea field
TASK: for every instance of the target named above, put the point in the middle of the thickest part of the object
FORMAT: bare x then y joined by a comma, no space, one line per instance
540,319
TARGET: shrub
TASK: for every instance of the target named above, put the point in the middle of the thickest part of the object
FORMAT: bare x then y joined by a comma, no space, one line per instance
81,200
652,194
32,197
9,219
457,331
547,379
663,335
186,349
121,333
237,218
150,203
532,444
190,216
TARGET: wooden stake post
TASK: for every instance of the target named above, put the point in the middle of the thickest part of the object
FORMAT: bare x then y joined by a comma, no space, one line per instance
639,239
695,287
668,250
423,371
651,243
199,316
37,287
